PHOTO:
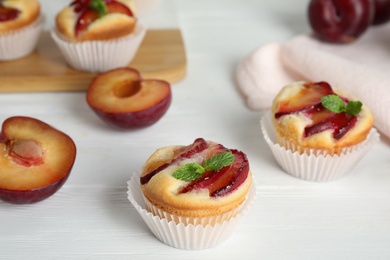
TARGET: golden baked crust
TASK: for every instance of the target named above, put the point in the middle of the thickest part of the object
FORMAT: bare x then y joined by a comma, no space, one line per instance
110,26
29,12
163,190
291,127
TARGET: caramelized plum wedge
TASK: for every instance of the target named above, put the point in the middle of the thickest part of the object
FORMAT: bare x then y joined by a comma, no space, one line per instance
224,181
307,100
8,14
198,146
340,124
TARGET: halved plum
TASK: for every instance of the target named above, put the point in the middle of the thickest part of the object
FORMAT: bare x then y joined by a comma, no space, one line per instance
35,160
122,98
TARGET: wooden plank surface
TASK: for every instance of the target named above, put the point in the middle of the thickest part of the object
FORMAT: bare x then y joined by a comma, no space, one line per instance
160,56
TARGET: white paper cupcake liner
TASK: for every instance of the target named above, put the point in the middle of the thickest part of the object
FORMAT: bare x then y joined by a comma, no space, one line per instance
100,56
312,165
205,233
19,43
193,221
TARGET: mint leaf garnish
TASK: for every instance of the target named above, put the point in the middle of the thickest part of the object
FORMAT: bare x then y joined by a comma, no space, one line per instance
333,103
354,108
189,172
193,171
99,6
336,105
218,161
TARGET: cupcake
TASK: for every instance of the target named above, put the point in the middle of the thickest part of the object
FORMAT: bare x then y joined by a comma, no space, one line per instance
193,196
98,35
21,23
318,132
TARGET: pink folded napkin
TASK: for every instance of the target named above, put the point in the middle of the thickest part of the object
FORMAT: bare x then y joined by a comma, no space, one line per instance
361,68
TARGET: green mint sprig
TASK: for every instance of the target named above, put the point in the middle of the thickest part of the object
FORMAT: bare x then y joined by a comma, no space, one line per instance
193,171
99,6
335,104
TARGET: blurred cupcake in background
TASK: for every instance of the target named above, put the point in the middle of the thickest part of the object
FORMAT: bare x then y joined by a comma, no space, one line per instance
21,24
316,132
98,35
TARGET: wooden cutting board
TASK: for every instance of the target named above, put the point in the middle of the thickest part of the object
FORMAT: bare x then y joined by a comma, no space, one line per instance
160,56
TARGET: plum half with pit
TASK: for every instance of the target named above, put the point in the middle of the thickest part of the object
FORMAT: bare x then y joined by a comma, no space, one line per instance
340,21
121,97
35,160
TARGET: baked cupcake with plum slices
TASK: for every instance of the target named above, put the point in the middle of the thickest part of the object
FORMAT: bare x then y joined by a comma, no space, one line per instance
193,196
21,24
98,35
317,132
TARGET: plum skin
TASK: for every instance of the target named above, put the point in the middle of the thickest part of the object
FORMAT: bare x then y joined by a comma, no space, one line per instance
32,196
136,119
340,21
382,12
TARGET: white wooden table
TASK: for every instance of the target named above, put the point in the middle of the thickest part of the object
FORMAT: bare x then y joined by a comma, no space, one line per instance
91,218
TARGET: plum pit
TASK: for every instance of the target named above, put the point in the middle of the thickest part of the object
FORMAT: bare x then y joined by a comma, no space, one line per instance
26,152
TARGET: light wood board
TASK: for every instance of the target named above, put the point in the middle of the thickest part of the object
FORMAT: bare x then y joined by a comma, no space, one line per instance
160,56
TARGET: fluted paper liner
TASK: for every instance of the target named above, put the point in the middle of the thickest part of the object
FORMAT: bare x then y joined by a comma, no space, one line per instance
203,233
100,56
19,43
312,165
